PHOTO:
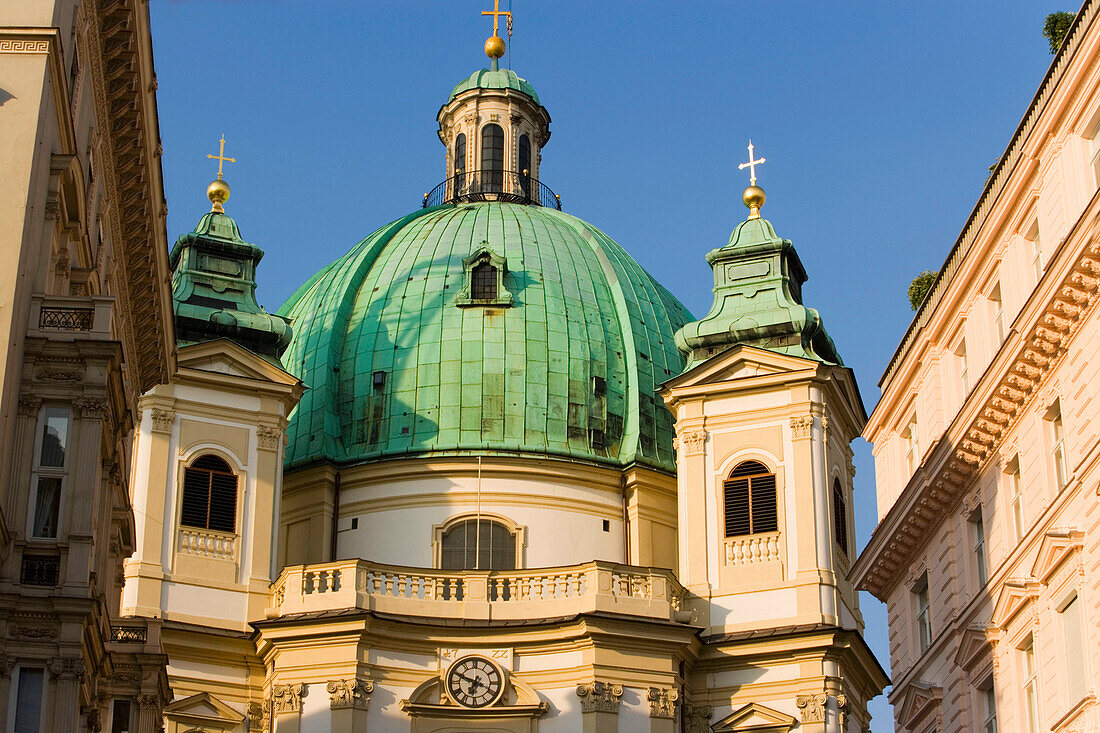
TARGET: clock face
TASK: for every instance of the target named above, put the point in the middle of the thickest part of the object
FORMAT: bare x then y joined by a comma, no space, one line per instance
474,682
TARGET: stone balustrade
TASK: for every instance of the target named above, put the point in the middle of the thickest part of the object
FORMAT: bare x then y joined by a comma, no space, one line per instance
208,543
484,595
753,548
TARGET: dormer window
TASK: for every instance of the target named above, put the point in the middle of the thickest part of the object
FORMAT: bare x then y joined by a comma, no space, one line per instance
485,271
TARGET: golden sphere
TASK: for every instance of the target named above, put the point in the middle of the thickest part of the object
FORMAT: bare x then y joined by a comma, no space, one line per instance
753,197
217,191
494,47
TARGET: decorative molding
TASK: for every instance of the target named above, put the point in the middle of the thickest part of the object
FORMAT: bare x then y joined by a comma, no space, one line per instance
255,714
29,405
67,668
599,697
32,632
662,703
268,438
288,698
92,408
351,693
698,718
693,442
162,420
842,710
48,374
812,707
148,702
24,45
800,426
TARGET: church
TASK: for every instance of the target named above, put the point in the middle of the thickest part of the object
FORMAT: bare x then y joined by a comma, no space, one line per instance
480,473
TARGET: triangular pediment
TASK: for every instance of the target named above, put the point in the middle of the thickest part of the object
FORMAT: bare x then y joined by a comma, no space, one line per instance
222,356
203,710
1016,594
974,646
1058,545
740,362
918,702
755,718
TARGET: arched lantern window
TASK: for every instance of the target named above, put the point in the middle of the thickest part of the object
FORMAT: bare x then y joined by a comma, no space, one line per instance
492,158
209,495
750,500
840,516
460,161
525,165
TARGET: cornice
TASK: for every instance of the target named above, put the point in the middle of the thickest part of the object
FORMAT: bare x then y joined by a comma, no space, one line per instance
972,441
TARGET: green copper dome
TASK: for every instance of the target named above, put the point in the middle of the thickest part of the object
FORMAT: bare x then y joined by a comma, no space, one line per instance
403,355
494,79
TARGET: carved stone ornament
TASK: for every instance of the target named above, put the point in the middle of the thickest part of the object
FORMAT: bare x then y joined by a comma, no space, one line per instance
800,426
94,723
162,420
662,703
255,716
29,404
842,709
287,698
812,707
698,718
599,697
91,408
351,693
32,632
67,668
268,438
50,374
693,442
148,702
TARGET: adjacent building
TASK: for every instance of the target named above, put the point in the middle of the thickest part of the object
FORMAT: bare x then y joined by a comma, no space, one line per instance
85,329
986,446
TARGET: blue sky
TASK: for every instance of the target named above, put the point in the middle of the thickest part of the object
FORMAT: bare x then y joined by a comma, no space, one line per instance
878,120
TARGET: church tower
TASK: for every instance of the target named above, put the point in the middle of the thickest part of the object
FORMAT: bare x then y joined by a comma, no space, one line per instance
765,412
208,474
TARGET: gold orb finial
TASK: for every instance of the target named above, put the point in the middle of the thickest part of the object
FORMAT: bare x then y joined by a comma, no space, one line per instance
753,198
494,47
218,193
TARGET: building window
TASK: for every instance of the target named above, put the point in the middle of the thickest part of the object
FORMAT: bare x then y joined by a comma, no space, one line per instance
912,452
750,503
1031,685
1017,506
460,161
120,716
924,613
474,544
977,531
525,164
989,707
483,284
1036,246
1074,634
998,313
1058,441
1096,155
840,516
28,701
209,495
50,470
492,158
964,367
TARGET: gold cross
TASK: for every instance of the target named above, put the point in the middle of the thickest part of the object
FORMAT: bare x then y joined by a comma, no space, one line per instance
496,12
220,157
751,165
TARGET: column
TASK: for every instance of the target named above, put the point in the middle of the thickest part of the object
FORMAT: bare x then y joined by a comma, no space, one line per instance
286,703
348,700
65,672
149,714
600,707
662,710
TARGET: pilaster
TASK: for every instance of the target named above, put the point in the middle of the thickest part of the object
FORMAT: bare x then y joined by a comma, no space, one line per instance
348,701
65,674
662,709
600,707
286,704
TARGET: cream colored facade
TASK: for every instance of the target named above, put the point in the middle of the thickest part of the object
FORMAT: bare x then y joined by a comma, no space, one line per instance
84,330
986,447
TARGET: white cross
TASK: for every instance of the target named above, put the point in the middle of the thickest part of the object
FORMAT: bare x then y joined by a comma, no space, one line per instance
751,165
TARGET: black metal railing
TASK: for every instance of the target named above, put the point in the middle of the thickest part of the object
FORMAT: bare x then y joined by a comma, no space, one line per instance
128,634
68,319
40,570
508,186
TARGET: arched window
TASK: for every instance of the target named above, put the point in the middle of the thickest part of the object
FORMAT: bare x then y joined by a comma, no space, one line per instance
750,500
840,516
525,165
460,161
483,282
474,544
492,158
209,495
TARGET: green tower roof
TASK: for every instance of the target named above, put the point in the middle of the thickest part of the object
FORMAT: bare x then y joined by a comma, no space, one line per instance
214,289
494,79
402,359
758,281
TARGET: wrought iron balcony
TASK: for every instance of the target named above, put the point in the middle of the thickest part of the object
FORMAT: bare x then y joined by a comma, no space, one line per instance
507,186
471,594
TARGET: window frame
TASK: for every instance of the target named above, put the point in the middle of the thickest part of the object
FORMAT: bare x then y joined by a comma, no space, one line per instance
1016,504
840,516
765,472
13,695
518,531
922,604
492,178
40,471
978,548
1031,235
238,474
460,152
996,302
1074,639
1031,698
1058,445
988,694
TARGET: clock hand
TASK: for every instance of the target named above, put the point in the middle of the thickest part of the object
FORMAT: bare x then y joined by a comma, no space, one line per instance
474,681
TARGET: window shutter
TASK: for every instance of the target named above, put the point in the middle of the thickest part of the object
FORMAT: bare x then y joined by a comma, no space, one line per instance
223,502
749,500
765,517
738,519
196,497
209,495
840,516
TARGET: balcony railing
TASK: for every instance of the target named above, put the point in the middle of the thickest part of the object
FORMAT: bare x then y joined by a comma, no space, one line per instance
128,634
66,316
208,543
752,549
483,595
507,186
